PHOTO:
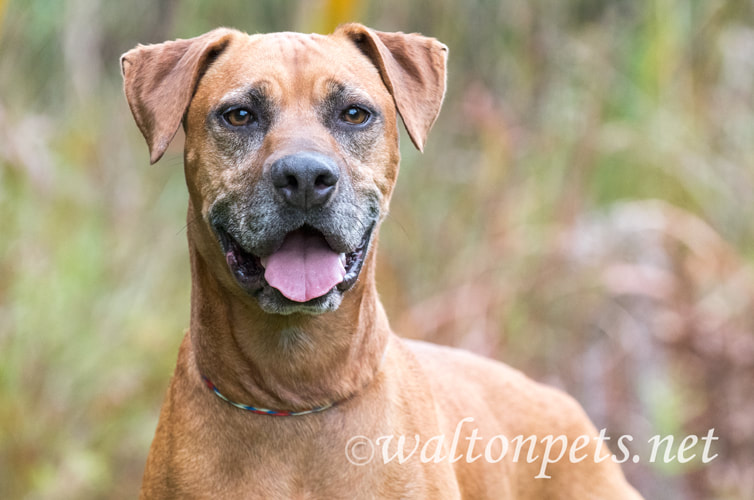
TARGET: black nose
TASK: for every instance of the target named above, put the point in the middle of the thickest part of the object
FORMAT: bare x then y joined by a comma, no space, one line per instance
305,180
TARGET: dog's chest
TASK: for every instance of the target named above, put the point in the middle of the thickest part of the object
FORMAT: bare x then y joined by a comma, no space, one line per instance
309,459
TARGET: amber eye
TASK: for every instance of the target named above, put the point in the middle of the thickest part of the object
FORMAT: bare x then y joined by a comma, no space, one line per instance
238,117
355,115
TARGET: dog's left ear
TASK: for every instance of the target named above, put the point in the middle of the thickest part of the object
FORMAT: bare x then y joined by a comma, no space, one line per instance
160,80
413,68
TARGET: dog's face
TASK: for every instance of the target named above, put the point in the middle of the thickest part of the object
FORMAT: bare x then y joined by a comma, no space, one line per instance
291,149
293,159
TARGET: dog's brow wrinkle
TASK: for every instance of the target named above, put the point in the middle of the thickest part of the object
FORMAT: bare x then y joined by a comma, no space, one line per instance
341,92
297,48
256,93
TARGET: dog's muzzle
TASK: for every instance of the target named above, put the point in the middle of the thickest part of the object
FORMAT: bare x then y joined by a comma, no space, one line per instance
305,250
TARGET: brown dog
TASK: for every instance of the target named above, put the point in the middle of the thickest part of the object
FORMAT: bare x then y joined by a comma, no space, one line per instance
290,383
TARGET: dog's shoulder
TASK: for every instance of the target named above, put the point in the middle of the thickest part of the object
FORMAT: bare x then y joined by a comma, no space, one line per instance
477,394
465,382
464,366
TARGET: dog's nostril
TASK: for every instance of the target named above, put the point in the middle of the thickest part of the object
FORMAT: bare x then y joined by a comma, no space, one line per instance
325,181
291,182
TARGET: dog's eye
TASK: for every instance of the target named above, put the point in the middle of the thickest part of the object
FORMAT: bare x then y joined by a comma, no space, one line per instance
238,117
355,115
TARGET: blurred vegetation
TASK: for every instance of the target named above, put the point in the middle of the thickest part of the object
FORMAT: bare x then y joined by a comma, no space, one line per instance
583,211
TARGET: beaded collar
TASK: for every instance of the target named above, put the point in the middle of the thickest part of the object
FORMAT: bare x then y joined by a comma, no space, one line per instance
265,411
278,413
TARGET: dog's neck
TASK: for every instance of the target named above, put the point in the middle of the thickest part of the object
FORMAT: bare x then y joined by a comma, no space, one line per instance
292,362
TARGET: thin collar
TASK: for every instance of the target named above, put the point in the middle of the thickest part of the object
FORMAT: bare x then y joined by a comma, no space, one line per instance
265,411
282,413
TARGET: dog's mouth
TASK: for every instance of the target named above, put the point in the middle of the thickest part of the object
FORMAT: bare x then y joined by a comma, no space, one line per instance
303,269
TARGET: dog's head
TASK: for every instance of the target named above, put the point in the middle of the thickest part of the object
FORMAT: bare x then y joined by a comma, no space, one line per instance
291,147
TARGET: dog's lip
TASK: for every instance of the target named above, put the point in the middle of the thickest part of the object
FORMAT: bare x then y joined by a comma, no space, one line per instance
249,268
355,260
244,265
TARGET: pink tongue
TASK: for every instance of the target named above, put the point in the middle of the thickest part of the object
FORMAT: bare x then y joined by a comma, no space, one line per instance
304,268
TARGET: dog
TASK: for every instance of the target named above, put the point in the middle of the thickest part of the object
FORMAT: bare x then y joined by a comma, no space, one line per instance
289,382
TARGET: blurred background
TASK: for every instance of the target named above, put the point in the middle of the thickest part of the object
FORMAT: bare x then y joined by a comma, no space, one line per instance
583,211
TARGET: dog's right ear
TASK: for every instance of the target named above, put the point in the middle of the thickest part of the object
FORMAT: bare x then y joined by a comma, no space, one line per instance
160,80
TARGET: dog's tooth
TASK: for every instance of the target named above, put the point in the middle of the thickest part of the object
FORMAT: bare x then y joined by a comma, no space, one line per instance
343,259
263,261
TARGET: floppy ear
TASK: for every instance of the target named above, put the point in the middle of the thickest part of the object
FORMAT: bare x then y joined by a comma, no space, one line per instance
413,68
160,80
